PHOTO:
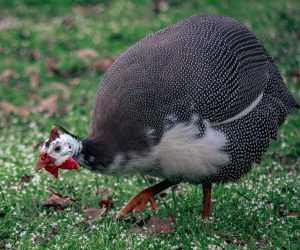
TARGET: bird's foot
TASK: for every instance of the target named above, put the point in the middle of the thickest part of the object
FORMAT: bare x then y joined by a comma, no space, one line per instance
138,202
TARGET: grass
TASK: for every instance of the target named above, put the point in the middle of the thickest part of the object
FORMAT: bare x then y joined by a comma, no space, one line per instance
259,212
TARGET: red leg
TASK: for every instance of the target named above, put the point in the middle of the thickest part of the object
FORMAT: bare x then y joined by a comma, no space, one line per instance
139,201
206,200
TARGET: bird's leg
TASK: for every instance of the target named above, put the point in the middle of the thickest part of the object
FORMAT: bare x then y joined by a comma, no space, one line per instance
139,201
206,200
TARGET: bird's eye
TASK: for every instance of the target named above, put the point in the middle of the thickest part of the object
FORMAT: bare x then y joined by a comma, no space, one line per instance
57,148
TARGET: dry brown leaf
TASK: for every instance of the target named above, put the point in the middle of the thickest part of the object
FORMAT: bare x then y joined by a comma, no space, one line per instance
92,9
86,52
293,213
63,88
34,81
158,225
52,68
154,225
51,65
103,191
53,191
104,64
47,104
8,107
134,230
75,81
8,73
5,121
57,200
26,178
94,213
107,203
38,239
68,22
35,54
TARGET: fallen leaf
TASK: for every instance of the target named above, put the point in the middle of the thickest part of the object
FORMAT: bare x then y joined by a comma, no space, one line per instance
293,213
84,100
5,121
33,55
63,88
9,107
51,65
243,242
34,81
53,191
57,200
86,52
65,107
68,22
143,222
277,40
158,225
103,191
75,81
104,64
83,221
134,230
52,68
26,178
38,239
94,213
152,225
93,9
47,104
8,73
108,203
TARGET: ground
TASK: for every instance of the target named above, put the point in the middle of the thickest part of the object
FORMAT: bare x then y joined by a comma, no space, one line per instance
52,57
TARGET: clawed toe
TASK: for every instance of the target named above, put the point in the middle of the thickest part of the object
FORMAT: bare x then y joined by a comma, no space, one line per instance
138,203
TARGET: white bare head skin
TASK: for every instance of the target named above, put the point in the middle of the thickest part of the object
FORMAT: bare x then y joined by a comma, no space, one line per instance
63,146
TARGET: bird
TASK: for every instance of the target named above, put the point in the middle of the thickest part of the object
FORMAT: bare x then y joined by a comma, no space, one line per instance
198,102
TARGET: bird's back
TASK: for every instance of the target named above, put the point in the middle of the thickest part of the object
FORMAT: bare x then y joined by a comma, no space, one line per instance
206,65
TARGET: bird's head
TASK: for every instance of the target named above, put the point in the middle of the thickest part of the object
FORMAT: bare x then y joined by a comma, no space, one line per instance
60,150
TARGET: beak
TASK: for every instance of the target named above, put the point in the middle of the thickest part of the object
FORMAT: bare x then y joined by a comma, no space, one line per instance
41,161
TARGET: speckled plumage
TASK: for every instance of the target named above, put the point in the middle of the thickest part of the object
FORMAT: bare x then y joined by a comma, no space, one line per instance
198,72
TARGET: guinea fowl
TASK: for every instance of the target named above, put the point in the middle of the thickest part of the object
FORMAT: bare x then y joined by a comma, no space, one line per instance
196,102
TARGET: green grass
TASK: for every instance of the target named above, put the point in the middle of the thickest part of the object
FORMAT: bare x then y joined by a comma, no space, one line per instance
252,213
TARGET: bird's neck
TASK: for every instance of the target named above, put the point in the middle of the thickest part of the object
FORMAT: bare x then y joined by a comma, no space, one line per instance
95,155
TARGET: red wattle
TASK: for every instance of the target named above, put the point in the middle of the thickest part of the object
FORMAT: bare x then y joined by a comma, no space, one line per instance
69,163
52,169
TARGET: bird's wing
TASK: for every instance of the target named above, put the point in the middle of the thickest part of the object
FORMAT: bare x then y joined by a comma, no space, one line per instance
214,66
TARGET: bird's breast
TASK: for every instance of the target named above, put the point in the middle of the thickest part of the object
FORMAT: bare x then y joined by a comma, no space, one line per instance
180,151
